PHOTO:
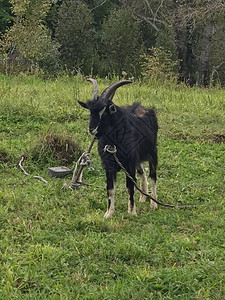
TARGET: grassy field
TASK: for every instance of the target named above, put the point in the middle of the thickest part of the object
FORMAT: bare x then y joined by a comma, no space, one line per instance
56,245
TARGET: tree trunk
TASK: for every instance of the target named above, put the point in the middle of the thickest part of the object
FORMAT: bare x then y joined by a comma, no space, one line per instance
204,60
184,47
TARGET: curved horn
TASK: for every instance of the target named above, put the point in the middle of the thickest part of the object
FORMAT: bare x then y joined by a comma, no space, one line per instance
95,88
109,92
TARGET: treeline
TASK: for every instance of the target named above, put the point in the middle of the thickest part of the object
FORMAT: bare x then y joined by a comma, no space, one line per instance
175,40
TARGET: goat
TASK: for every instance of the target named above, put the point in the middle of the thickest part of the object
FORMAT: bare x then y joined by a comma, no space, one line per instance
133,130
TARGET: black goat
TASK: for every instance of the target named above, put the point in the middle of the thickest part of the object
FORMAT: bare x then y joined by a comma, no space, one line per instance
133,130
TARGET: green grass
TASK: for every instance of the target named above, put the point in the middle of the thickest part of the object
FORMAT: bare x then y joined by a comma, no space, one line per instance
56,245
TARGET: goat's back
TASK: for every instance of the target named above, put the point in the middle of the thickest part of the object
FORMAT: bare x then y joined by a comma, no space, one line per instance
147,115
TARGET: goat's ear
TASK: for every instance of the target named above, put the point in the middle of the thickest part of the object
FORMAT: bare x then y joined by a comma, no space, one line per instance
112,109
83,104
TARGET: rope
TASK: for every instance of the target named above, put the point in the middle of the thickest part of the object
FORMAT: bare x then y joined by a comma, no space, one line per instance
84,160
113,150
24,157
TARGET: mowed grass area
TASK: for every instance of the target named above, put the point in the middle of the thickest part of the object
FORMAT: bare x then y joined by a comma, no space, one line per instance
56,245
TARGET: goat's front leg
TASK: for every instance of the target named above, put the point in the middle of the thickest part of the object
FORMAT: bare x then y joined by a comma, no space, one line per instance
111,178
131,204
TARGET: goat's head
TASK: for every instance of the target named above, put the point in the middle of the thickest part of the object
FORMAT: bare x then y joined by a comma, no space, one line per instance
100,106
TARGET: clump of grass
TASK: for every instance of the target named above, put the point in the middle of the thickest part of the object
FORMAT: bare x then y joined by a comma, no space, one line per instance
54,148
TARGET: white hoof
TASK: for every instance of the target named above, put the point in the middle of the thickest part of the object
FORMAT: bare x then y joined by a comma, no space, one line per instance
133,211
142,198
108,214
153,205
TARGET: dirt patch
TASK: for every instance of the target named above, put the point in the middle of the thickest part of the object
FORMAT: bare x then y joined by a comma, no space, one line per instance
56,148
218,138
181,137
4,157
215,138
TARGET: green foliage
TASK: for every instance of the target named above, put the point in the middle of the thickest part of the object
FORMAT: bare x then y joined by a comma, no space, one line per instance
100,10
106,38
55,244
159,65
75,35
31,9
218,47
28,42
5,15
121,44
49,61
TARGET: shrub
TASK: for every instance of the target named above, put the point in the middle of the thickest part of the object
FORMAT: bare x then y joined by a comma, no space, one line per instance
75,35
158,64
27,45
121,43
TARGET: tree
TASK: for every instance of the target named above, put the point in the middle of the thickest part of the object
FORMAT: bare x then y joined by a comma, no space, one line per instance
75,34
28,41
205,17
194,24
156,13
121,43
5,15
183,41
158,63
165,18
52,16
101,9
218,49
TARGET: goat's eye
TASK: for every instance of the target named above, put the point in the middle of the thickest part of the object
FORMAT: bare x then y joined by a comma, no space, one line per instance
101,112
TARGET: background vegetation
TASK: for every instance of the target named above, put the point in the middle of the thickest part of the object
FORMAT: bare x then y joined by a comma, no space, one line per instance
112,37
56,245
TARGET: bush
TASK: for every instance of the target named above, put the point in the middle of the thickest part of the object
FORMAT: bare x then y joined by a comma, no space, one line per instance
27,45
121,43
159,64
75,35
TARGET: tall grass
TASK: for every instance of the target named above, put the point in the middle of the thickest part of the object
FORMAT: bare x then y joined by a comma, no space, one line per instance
56,245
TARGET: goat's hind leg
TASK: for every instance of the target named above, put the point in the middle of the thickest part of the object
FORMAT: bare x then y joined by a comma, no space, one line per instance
152,175
111,178
131,204
143,182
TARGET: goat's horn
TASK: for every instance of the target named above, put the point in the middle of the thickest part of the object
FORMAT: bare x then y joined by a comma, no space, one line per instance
95,88
109,92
